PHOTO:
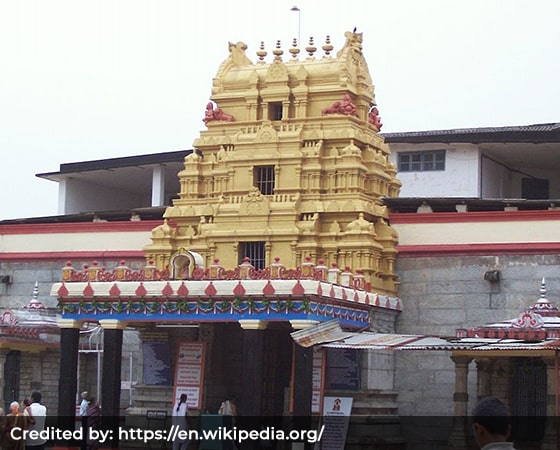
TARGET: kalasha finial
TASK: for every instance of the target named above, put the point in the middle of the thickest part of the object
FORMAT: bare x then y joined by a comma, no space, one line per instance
278,52
328,47
295,49
311,49
542,290
261,52
543,306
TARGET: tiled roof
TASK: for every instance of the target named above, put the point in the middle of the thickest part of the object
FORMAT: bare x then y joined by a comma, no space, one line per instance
546,132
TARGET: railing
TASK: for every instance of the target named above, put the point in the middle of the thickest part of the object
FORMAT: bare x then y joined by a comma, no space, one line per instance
244,271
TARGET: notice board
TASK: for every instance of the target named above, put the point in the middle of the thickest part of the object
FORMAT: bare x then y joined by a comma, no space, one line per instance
189,372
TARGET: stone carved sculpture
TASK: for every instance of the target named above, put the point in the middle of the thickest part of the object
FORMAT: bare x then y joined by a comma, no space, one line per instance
237,54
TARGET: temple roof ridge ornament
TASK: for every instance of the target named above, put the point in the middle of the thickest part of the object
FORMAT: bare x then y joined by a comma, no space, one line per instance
543,306
539,322
354,70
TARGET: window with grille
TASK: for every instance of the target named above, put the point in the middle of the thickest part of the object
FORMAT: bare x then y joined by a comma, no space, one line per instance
264,179
422,161
255,251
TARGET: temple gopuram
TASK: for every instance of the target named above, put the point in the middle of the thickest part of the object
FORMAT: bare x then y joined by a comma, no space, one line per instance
279,225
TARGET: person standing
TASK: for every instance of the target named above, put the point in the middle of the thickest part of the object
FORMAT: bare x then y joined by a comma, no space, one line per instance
83,418
93,413
39,414
179,422
492,425
14,425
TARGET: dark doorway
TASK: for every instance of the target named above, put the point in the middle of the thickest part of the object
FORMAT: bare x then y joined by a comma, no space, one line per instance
11,378
225,376
277,357
528,399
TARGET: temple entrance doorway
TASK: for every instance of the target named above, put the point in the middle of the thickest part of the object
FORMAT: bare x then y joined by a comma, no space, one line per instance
226,371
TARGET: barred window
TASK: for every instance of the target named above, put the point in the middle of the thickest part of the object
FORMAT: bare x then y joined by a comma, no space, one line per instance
422,161
264,179
255,251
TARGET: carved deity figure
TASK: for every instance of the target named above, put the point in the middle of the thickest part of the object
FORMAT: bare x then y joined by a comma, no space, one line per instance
237,54
216,114
374,119
344,107
353,40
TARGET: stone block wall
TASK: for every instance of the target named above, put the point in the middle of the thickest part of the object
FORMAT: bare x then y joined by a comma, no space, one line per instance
441,294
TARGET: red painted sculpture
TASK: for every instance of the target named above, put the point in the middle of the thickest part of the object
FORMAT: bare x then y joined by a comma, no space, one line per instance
216,114
374,119
345,107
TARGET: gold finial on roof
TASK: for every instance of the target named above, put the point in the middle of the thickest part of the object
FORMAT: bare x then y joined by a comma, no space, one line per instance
261,52
328,47
295,49
311,49
278,52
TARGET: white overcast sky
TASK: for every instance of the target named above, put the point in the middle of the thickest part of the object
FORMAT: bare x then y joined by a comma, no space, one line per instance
90,79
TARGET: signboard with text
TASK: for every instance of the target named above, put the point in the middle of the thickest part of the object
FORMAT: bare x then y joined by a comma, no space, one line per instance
156,360
336,417
318,380
189,372
343,369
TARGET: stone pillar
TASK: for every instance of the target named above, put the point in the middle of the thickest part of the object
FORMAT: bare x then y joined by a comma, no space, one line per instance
68,377
251,384
111,372
483,377
253,345
3,353
551,431
458,438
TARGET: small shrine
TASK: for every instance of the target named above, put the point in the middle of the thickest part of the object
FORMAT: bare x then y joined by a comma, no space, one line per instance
32,328
517,360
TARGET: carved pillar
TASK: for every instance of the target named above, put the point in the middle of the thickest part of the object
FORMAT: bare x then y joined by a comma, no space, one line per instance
458,438
111,387
551,434
68,377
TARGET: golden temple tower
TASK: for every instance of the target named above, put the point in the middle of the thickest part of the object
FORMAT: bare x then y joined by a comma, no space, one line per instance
290,165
